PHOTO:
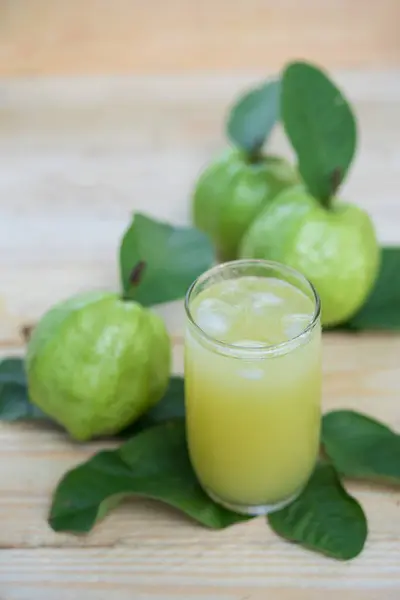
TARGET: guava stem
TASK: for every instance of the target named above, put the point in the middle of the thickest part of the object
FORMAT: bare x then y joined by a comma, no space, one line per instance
255,156
26,332
335,180
326,202
135,278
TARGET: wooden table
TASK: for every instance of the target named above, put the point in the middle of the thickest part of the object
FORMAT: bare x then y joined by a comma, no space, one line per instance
155,36
77,157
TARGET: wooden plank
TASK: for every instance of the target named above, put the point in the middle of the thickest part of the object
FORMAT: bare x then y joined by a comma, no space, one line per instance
223,568
97,36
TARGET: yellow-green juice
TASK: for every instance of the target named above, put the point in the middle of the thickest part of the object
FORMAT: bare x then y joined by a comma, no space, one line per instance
253,383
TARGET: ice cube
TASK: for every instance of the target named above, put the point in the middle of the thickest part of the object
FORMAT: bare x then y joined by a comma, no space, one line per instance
252,373
230,285
261,300
294,325
231,293
213,317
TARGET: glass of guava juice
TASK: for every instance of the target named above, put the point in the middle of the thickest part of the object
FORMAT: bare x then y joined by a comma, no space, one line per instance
253,383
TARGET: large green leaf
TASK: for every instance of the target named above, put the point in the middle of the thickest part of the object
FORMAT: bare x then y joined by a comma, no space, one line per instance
14,399
320,125
252,118
361,447
382,308
324,518
158,261
153,464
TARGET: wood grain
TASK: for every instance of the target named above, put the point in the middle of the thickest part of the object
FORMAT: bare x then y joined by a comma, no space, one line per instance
99,36
78,156
219,569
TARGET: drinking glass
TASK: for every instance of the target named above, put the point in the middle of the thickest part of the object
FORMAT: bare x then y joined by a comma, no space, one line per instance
253,383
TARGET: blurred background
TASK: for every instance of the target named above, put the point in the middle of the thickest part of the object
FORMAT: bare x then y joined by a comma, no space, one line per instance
47,37
107,107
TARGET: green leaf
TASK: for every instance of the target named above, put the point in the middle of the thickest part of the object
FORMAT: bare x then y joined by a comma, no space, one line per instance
153,464
14,400
253,116
382,308
164,260
171,406
361,447
324,518
320,125
12,370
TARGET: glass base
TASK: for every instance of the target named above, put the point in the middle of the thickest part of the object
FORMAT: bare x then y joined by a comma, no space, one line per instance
254,511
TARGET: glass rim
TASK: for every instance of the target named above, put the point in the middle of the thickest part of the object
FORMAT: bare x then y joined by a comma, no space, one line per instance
262,349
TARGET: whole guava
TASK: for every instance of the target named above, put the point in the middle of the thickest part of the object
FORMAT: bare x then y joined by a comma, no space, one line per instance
335,248
95,363
230,193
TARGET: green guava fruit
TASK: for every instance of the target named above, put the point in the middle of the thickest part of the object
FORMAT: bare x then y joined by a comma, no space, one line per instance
335,248
95,363
230,193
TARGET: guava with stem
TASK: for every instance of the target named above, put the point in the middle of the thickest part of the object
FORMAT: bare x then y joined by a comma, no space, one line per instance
334,246
96,362
232,190
307,227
